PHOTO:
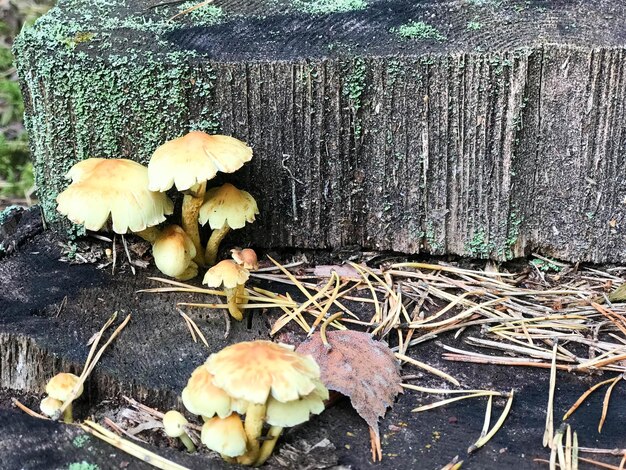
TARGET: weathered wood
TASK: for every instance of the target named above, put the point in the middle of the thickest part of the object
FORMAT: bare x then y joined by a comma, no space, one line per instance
506,136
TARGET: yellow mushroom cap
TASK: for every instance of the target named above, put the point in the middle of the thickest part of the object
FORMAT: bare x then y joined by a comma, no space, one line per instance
195,158
228,273
203,398
60,386
50,406
117,187
253,370
225,435
227,205
246,257
173,423
173,251
293,412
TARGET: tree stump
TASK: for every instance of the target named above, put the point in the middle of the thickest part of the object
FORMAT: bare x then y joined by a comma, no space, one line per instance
488,128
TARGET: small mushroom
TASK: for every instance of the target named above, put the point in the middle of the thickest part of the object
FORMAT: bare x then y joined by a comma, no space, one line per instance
60,388
190,161
225,435
232,277
203,398
50,406
264,374
174,424
246,258
225,208
173,252
115,188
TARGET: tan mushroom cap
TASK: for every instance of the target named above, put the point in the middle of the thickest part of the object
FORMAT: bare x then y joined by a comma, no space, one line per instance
254,370
195,158
246,258
203,398
60,386
225,435
173,251
112,187
226,273
227,205
50,406
173,423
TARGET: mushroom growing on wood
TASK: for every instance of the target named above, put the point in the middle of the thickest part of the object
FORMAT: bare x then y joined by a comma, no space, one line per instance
50,406
174,425
188,162
225,208
117,188
60,388
225,435
280,387
173,252
246,258
232,277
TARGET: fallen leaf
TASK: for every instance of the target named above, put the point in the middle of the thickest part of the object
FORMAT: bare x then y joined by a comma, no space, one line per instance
361,368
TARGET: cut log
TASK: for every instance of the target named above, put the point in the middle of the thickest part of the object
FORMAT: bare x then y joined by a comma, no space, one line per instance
485,128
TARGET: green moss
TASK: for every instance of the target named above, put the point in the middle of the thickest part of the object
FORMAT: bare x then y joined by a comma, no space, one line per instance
479,246
353,88
206,15
474,25
80,441
418,30
83,466
320,7
105,105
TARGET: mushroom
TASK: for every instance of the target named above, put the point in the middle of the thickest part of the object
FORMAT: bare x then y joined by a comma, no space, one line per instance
232,277
173,252
60,387
280,387
117,188
188,162
50,406
225,435
174,424
203,398
246,257
225,208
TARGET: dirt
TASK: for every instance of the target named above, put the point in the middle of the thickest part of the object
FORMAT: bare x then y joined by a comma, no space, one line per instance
41,334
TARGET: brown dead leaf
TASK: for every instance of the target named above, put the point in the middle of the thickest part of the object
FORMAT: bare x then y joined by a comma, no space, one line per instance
361,368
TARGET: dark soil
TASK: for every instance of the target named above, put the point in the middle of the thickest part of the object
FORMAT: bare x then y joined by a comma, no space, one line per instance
41,334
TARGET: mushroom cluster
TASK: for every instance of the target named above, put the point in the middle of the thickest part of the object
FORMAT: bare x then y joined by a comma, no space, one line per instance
60,389
270,384
132,197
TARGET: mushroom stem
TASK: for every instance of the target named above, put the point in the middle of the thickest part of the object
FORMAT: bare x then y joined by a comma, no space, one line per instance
150,234
185,439
214,244
268,445
241,295
67,415
233,306
191,207
255,415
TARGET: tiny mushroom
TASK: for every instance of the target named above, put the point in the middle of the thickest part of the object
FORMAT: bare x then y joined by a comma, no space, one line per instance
174,424
280,386
232,277
188,162
60,387
225,435
225,208
173,252
117,188
246,257
50,406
